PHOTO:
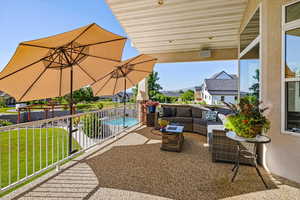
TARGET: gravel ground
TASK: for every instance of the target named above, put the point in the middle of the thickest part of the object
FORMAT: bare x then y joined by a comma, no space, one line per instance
187,175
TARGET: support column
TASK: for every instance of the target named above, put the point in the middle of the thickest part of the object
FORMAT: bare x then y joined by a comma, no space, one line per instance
281,156
142,97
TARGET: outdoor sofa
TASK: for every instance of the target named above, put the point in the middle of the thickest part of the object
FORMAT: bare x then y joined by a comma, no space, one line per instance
192,117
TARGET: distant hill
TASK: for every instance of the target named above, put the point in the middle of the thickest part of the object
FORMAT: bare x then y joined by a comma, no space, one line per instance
176,93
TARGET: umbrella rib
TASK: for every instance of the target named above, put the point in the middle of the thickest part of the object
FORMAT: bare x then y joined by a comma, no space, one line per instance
138,70
133,59
145,61
130,80
38,46
28,89
103,58
82,32
86,72
103,42
115,86
33,84
103,77
60,81
26,66
103,85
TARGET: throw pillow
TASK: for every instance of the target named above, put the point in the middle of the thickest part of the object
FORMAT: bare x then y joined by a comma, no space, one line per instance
211,115
183,112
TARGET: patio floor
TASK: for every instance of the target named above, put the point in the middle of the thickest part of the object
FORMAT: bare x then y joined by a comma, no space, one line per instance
134,167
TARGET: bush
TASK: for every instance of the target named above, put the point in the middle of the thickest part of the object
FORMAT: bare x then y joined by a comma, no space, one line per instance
91,125
84,106
5,122
99,105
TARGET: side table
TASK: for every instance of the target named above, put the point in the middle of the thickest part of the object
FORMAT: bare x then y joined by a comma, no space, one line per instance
260,139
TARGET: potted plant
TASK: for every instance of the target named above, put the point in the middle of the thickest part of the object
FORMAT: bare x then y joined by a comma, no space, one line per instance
163,124
247,119
151,105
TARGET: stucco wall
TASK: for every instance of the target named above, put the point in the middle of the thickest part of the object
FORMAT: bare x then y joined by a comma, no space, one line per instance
282,155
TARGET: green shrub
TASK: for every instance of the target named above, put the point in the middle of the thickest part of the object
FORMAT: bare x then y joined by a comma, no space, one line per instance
2,103
84,106
5,122
99,105
91,125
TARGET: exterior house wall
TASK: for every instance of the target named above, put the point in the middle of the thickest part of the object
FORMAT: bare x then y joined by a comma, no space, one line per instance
281,156
216,99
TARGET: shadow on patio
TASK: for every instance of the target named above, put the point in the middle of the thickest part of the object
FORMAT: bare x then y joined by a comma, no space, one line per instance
187,175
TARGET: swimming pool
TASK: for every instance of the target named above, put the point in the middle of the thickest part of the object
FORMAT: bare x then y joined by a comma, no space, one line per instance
129,121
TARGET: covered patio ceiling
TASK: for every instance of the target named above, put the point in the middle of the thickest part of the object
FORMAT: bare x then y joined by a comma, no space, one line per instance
166,28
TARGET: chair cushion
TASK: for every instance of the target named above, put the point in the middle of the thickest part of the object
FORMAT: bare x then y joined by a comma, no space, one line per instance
211,115
183,112
169,112
196,113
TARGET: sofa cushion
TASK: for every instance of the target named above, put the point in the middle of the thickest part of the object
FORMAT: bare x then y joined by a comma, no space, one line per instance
183,112
169,112
196,113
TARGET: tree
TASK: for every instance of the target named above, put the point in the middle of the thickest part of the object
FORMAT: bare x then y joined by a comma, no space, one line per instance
188,95
82,95
153,85
255,86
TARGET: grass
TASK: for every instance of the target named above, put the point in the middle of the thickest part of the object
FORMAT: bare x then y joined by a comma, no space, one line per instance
7,110
37,156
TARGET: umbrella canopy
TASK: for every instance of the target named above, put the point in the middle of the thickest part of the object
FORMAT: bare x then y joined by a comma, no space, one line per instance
56,65
124,75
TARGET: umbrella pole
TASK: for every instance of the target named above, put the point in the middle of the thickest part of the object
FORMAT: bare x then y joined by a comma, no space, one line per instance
124,102
71,111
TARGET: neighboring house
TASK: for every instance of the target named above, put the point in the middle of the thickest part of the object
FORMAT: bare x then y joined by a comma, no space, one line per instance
197,93
8,100
218,88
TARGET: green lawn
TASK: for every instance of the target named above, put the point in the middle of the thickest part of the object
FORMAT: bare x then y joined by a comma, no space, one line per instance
55,138
7,110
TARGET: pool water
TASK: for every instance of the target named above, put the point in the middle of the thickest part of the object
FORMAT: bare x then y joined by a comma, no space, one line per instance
129,121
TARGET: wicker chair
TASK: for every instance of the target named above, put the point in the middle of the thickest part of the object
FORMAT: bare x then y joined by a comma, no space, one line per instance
225,149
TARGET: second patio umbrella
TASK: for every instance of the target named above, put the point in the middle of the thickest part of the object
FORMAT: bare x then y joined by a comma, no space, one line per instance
124,75
58,65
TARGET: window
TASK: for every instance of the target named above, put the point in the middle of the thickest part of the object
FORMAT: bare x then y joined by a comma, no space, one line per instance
222,98
249,58
291,69
249,73
292,12
251,31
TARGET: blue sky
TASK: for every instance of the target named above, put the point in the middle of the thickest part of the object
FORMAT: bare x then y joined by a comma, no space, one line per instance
32,19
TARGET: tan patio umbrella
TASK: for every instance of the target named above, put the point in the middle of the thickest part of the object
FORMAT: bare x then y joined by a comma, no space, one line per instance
58,65
124,75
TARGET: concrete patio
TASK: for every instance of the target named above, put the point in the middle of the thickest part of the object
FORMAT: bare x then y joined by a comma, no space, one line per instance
132,166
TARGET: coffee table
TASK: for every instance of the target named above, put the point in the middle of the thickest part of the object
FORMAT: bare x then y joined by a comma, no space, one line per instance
172,138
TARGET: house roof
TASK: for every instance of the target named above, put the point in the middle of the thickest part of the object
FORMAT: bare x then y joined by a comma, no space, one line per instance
222,83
